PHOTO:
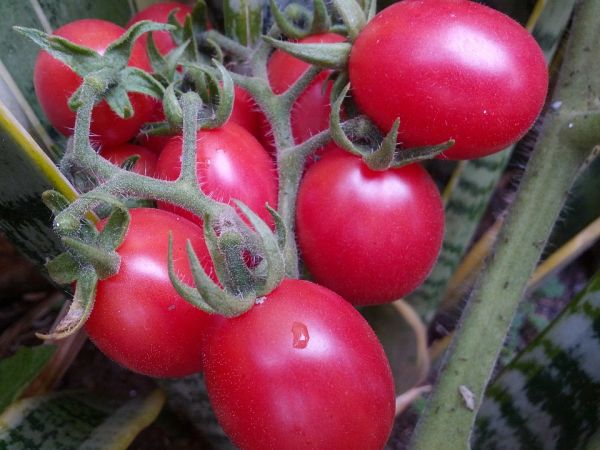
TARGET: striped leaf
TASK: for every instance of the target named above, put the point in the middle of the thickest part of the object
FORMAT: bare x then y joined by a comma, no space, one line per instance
549,397
26,172
76,420
475,181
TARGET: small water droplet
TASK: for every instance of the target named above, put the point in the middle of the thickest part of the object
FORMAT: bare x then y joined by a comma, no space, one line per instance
260,300
300,333
171,308
556,105
571,125
485,111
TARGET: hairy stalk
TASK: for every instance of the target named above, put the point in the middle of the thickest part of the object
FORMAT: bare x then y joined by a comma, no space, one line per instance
184,192
290,163
564,147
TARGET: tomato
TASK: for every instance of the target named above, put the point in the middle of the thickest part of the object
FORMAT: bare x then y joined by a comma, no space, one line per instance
310,113
300,370
55,83
246,113
159,12
230,164
371,236
449,69
138,318
145,165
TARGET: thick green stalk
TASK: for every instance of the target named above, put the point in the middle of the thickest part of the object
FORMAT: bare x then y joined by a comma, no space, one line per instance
565,144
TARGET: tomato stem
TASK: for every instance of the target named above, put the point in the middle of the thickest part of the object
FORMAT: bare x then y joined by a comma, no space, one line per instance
447,423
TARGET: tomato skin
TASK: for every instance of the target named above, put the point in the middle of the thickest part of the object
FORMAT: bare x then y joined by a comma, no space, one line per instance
480,78
145,165
159,12
246,113
55,82
138,318
230,164
371,236
301,370
310,113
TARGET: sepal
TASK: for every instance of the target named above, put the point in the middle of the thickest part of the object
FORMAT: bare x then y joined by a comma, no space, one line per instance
221,301
225,93
119,102
386,154
353,16
79,310
330,55
272,249
172,108
63,269
137,80
117,54
81,59
285,24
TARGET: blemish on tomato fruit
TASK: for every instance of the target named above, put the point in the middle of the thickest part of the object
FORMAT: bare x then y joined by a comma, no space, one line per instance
300,333
260,300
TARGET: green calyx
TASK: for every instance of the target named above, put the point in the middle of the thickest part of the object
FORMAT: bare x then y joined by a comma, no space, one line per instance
385,154
109,70
318,20
89,256
328,56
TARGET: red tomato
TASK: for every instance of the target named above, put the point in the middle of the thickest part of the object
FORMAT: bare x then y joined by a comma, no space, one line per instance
301,370
145,165
55,83
138,319
246,113
230,164
159,12
371,236
153,143
310,113
449,69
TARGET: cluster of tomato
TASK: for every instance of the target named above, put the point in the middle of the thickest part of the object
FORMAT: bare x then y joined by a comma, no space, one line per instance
302,369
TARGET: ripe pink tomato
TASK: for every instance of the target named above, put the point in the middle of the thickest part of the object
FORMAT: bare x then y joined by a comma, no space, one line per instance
310,113
55,83
300,370
449,69
231,164
371,236
159,12
138,318
145,165
246,113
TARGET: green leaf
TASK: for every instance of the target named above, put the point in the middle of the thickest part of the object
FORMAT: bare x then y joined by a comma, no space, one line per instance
549,396
20,369
76,421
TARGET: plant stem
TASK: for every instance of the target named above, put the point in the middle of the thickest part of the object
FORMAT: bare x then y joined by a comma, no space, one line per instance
563,149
